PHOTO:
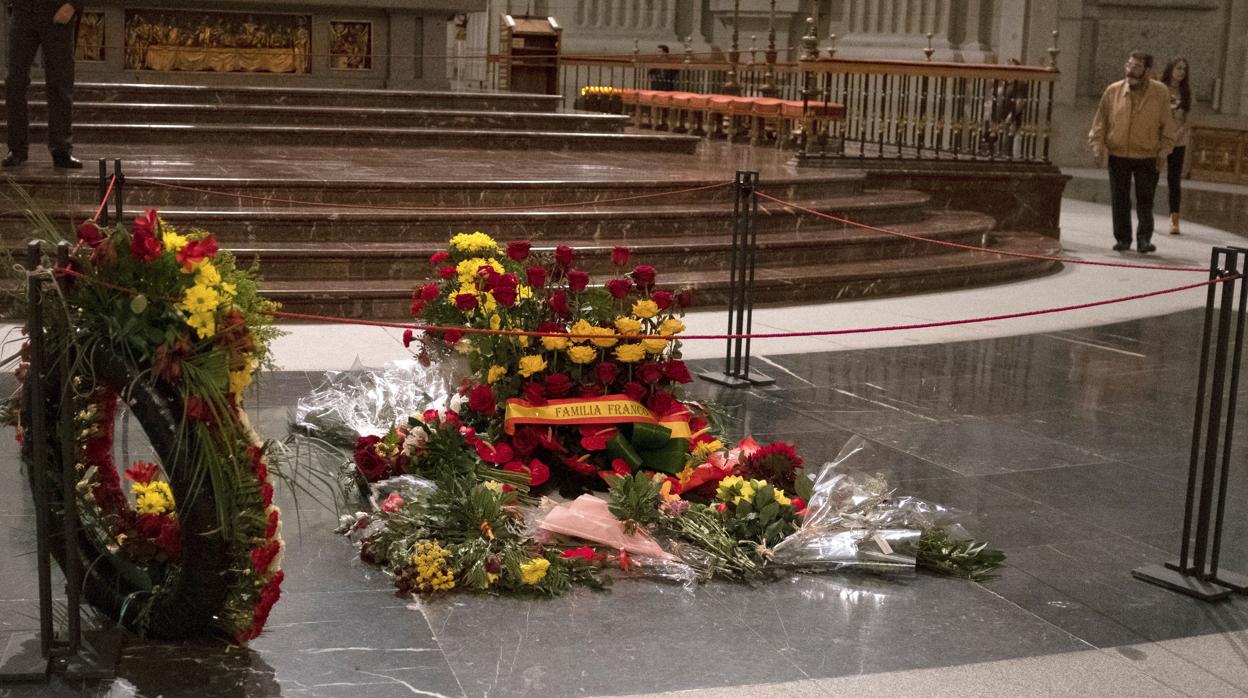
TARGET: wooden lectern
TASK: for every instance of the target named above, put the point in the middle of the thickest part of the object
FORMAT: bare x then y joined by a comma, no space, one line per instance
528,54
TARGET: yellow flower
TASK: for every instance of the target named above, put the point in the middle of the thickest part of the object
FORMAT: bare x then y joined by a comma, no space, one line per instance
630,353
474,243
706,448
496,322
727,484
207,275
493,486
607,337
780,498
523,292
489,305
654,346
200,299
522,340
531,364
204,324
582,354
239,380
173,242
432,571
555,343
153,497
628,325
495,373
747,492
228,289
645,309
581,327
466,270
671,326
534,570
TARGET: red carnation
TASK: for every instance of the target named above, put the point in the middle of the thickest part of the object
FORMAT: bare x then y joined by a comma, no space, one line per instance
90,233
577,280
447,272
452,336
408,338
263,556
586,554
558,302
643,275
536,276
619,256
650,372
465,301
558,385
481,400
564,256
196,251
518,250
141,472
270,529
418,306
368,462
607,372
438,258
619,288
429,292
663,299
677,371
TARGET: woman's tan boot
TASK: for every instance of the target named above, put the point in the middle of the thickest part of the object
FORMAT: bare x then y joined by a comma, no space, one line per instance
1174,224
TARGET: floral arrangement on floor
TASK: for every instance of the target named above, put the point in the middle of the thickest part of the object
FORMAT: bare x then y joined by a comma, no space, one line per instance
166,323
571,388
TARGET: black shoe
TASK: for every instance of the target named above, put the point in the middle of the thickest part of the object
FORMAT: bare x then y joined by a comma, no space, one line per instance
1147,247
1121,246
12,159
65,161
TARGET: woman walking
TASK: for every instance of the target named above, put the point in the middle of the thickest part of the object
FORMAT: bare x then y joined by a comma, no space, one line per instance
1175,77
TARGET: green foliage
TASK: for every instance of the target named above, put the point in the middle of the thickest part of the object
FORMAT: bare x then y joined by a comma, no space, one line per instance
944,554
635,499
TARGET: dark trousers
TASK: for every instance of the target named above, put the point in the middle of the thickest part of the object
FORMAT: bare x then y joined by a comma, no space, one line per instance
29,30
1174,177
1121,172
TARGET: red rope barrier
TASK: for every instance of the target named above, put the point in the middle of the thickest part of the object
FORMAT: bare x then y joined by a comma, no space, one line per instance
975,248
112,182
374,207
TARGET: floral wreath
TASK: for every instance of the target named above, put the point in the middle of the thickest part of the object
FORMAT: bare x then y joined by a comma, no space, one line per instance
169,324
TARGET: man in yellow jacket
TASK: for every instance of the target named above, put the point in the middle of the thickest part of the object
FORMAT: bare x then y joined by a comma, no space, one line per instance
1134,128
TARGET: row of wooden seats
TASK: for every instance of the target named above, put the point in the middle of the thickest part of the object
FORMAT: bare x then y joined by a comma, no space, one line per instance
729,115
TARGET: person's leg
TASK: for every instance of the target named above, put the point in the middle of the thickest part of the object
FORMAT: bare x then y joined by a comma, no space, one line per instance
1146,176
1120,198
23,43
58,70
1174,184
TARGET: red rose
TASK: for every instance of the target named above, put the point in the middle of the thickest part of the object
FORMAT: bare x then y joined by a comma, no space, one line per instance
577,280
447,272
662,403
431,417
506,296
635,391
368,462
538,473
465,301
536,276
607,372
481,400
196,251
643,275
429,292
558,302
619,288
392,503
619,256
663,299
141,472
438,258
677,371
452,336
450,419
518,250
650,372
684,298
586,554
557,385
588,391
534,393
525,441
143,245
564,256
90,233
721,507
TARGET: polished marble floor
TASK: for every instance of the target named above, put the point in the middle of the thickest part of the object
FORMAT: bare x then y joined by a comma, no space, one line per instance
1068,449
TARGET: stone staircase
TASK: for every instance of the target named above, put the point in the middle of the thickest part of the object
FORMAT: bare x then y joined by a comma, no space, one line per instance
343,226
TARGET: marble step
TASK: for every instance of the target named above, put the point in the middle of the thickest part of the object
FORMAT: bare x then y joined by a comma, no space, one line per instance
408,262
322,96
617,224
356,189
340,117
280,135
794,284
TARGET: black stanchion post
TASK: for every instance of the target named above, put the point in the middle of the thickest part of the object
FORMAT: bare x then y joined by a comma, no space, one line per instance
103,192
119,191
742,262
1196,572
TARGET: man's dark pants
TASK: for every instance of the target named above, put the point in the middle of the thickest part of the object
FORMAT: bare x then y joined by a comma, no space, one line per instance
1121,172
29,29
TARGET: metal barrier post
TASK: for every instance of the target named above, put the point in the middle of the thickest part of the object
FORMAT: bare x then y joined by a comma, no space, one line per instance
119,191
1196,571
103,191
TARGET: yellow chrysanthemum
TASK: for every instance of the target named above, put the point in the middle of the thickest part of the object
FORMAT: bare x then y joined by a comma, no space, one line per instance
474,243
239,380
630,353
654,346
531,364
523,292
207,275
204,324
466,271
581,327
628,325
152,497
582,354
172,241
671,326
200,299
495,373
228,289
534,570
645,309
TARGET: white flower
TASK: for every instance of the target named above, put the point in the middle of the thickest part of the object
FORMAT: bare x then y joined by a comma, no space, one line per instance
458,402
416,438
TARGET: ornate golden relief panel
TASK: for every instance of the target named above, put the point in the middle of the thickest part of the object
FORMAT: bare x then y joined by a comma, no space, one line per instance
218,42
90,40
350,45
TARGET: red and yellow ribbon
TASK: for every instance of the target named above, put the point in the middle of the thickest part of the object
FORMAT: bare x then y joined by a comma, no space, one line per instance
607,409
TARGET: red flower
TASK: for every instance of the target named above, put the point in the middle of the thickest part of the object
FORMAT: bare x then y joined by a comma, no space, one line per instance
536,276
270,528
577,280
438,258
452,336
450,419
505,295
408,338
196,251
431,417
620,467
418,306
799,504
447,272
684,298
465,301
677,371
198,409
619,256
643,275
263,556
607,372
90,233
635,391
595,437
579,466
721,507
148,223
564,256
558,302
534,392
525,440
650,372
586,553
539,473
497,454
429,292
625,560
557,385
141,472
663,299
481,400
550,442
392,503
619,288
518,250
589,391
143,244
368,462
662,403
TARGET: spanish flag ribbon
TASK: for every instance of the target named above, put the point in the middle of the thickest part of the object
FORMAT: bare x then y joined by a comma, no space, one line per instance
606,409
